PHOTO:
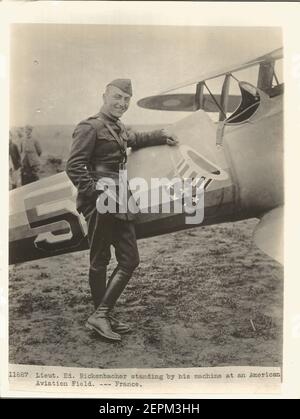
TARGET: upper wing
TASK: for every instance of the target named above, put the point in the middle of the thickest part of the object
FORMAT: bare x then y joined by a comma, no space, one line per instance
268,234
274,55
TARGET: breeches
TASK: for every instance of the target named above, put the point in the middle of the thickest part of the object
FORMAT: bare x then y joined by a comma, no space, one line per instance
105,230
29,175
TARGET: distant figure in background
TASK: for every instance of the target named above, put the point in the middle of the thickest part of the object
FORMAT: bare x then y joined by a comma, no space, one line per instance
20,134
31,151
14,164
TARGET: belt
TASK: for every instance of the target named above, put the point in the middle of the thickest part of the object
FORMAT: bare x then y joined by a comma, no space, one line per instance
115,167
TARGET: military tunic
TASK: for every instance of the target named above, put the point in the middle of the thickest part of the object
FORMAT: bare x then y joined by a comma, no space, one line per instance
101,141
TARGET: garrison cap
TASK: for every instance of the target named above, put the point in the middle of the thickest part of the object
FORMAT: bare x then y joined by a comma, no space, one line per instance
122,84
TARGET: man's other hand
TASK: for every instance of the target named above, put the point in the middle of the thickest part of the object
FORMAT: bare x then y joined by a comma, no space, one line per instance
171,137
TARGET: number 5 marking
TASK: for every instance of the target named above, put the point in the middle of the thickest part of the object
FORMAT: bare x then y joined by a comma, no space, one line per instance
52,213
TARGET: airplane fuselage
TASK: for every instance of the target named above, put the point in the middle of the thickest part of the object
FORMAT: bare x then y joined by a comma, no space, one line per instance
242,177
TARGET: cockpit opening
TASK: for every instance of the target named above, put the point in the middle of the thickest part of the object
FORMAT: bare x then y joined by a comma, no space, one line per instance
250,100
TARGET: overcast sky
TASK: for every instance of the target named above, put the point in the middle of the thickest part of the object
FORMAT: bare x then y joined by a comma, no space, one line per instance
58,72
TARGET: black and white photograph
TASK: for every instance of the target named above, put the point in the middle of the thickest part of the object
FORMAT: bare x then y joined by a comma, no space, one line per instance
146,197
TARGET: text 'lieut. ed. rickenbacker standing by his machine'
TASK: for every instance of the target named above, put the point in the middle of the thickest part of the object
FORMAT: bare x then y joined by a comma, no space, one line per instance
99,151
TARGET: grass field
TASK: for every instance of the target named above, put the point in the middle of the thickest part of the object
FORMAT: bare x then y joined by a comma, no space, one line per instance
203,297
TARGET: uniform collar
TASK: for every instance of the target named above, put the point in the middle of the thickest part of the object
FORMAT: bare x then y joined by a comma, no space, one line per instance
110,118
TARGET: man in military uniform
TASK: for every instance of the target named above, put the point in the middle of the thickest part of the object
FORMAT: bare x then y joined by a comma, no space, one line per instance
31,152
99,151
14,164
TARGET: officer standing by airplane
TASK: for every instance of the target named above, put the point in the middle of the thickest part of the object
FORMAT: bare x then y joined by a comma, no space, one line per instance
99,150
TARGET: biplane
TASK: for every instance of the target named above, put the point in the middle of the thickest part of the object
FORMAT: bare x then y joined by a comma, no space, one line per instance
238,156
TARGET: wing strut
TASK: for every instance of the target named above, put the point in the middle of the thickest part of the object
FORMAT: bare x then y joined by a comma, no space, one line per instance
215,101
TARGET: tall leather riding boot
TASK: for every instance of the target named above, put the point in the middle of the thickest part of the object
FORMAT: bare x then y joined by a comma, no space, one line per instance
99,320
97,281
116,324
